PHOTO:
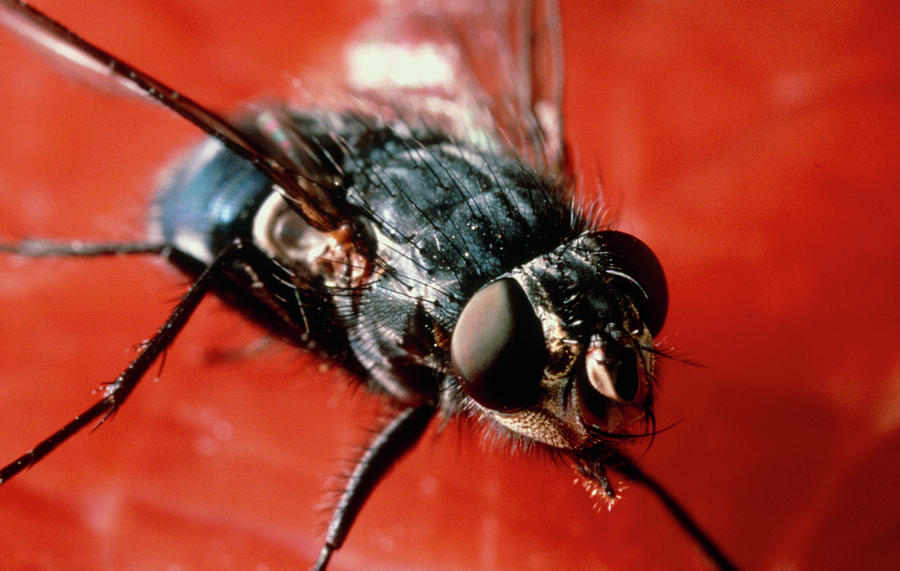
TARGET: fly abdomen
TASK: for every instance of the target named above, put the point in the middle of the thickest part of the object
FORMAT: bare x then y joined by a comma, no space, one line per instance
205,201
212,198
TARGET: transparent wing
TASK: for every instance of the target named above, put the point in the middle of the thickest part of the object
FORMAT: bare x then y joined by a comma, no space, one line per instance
489,72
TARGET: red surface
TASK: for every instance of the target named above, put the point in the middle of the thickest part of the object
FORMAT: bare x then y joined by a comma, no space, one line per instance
753,146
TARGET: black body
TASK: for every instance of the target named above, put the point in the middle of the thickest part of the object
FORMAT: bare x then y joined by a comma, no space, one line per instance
444,219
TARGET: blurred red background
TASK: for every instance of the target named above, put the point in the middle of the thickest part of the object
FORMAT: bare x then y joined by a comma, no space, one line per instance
754,146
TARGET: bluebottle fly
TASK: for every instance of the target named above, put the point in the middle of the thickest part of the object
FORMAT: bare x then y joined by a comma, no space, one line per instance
423,236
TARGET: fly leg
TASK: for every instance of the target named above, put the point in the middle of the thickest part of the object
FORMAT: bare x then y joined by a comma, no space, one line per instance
635,473
77,249
394,440
116,392
303,176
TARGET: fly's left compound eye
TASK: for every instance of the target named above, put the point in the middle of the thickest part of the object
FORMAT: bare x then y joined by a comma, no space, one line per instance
498,348
637,272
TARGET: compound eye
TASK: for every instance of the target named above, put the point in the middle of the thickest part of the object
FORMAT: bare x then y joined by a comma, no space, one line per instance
640,275
498,348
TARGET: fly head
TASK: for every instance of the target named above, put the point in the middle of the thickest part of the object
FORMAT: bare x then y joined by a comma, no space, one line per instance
560,349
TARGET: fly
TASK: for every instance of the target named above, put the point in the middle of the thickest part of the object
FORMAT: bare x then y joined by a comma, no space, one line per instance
427,243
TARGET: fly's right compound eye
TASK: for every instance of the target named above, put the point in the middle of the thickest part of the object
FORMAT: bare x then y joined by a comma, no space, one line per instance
498,348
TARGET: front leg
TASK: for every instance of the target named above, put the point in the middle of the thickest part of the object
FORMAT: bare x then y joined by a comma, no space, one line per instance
392,443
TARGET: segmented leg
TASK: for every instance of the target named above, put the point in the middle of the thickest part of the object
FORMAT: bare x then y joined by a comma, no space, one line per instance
116,392
385,450
299,188
34,248
635,473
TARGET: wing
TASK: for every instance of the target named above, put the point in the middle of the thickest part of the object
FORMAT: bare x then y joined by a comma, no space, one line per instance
488,72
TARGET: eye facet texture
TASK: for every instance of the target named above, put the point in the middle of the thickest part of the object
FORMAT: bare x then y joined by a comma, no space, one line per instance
498,348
